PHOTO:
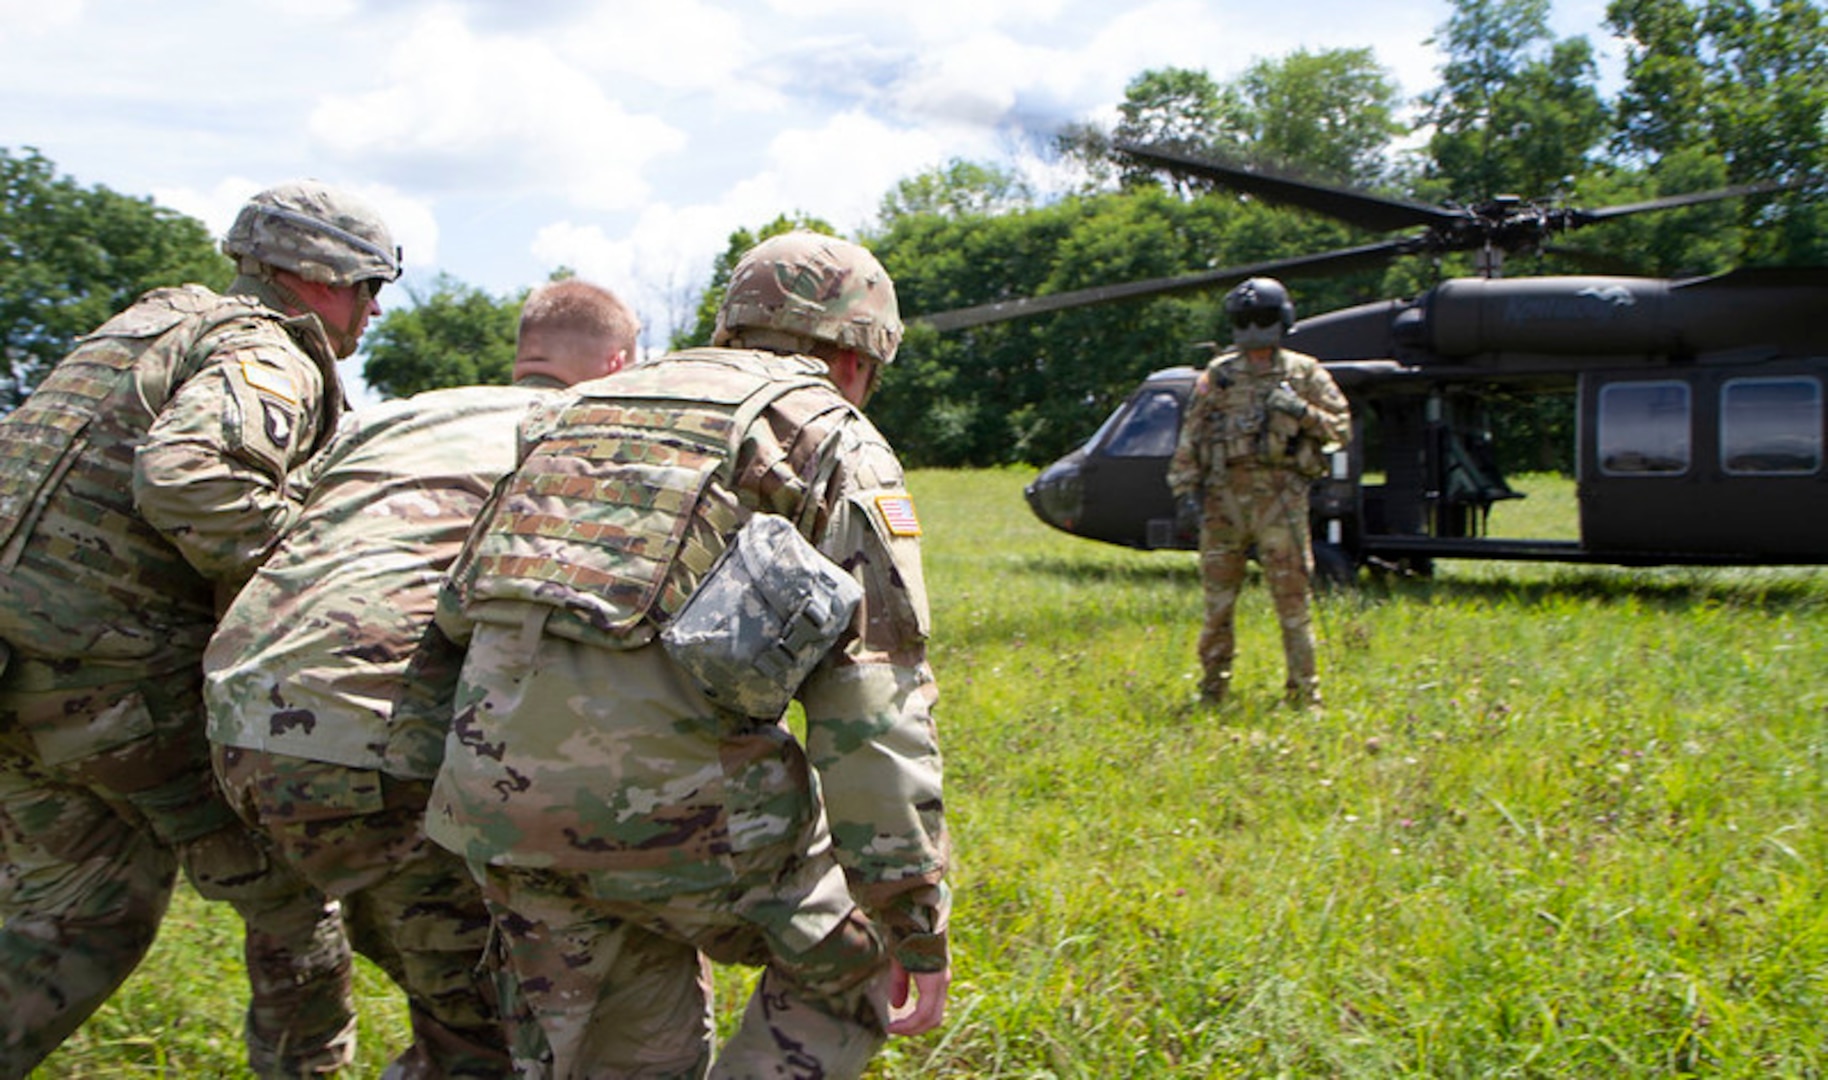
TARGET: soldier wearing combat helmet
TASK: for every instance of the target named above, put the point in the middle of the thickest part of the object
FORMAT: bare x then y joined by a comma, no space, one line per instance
311,676
1256,433
684,547
140,484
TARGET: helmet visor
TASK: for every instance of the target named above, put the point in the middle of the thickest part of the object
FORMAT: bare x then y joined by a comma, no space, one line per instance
1256,317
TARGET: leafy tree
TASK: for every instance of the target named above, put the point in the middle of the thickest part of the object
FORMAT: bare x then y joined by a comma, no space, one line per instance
70,257
725,264
1746,83
958,189
1327,116
1174,107
1508,117
456,336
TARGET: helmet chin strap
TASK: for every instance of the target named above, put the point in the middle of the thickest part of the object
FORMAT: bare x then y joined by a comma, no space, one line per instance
343,339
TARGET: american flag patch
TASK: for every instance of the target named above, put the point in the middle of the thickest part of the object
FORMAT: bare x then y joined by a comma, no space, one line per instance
898,514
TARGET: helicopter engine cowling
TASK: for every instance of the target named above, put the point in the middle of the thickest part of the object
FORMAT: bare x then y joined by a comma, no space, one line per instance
1562,315
1568,316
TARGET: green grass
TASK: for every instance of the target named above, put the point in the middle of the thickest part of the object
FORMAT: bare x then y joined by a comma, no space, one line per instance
1554,822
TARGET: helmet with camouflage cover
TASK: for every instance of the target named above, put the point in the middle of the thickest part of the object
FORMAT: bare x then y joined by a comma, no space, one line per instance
814,287
317,232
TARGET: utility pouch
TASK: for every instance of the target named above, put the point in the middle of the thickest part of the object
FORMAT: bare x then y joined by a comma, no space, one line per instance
761,619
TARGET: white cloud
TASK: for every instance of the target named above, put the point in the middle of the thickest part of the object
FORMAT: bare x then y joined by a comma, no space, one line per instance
930,21
659,268
630,45
838,171
216,207
26,18
465,112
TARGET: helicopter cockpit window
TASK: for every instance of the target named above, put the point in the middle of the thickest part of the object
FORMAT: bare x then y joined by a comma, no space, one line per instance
1771,426
1644,428
1149,429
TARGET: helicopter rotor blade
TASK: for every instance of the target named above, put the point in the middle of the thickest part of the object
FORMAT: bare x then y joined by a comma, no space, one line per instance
1578,218
1349,205
1341,261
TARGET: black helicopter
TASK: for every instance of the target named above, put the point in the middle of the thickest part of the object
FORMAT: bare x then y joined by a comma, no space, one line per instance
1698,402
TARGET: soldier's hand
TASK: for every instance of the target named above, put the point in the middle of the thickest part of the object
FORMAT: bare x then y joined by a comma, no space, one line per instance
929,993
1284,399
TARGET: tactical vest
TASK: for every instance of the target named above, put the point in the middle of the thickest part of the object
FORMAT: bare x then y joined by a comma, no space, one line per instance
609,524
1244,431
66,454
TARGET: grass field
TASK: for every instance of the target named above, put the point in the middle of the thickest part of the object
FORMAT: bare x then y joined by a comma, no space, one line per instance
1554,822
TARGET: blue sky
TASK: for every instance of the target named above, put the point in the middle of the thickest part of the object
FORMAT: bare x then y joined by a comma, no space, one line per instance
623,139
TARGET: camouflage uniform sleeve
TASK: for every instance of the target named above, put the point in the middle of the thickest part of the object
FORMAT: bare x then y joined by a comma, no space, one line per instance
1187,469
1329,417
870,725
212,475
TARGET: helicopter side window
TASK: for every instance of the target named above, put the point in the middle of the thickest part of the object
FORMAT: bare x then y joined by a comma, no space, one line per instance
1771,426
1149,429
1644,429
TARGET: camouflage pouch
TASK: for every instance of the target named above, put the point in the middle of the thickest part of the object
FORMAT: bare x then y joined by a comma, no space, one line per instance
764,615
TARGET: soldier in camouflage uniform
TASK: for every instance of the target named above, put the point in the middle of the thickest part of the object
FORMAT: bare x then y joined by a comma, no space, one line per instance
1256,434
140,484
625,810
306,668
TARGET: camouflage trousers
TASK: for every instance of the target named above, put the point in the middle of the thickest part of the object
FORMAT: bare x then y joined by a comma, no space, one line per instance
105,793
1265,508
410,906
623,988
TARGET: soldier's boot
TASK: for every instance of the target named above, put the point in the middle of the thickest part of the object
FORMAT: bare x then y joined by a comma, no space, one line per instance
1303,693
1214,688
1303,686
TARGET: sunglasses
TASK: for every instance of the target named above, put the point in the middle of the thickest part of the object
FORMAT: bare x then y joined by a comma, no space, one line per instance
370,288
1256,317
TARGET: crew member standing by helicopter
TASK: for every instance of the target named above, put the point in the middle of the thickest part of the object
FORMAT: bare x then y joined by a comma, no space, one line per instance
1259,426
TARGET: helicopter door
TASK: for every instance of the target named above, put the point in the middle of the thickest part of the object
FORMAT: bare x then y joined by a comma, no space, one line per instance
1127,500
1715,467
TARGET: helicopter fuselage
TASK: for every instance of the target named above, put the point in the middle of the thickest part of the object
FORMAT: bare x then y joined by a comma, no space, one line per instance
1699,425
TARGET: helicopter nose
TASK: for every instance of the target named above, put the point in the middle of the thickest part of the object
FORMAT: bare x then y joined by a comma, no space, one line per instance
1057,496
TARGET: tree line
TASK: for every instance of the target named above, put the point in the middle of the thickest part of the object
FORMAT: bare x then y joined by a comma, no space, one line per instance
1713,93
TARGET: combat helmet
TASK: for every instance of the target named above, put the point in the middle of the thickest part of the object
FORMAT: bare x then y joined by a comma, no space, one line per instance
317,232
813,287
